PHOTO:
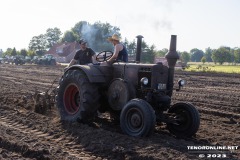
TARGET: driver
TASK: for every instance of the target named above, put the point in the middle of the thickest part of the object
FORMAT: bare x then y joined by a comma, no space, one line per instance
83,56
120,51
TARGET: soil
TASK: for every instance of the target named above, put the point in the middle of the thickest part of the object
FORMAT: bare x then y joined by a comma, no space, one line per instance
26,134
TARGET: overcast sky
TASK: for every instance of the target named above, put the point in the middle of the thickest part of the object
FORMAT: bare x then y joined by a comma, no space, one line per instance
197,23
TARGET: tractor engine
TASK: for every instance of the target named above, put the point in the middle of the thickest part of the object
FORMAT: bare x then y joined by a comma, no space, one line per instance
151,82
152,86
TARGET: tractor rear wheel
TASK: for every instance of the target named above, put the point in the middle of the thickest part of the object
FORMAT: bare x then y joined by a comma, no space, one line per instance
187,120
77,98
137,118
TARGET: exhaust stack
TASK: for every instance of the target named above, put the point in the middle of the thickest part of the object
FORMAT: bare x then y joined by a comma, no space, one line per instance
172,57
139,48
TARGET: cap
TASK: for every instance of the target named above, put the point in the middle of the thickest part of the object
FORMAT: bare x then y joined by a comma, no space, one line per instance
82,41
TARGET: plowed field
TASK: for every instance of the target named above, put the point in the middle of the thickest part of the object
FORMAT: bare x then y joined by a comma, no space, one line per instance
25,134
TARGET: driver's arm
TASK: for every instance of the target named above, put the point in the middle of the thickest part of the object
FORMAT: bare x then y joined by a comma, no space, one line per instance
73,61
94,59
117,48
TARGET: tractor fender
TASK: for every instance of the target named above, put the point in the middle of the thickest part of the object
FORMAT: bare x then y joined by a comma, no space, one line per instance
93,72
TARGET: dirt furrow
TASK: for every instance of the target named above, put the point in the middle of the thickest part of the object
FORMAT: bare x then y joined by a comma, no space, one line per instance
25,134
31,137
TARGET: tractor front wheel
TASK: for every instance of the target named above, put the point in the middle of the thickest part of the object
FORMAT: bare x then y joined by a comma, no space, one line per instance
137,118
186,120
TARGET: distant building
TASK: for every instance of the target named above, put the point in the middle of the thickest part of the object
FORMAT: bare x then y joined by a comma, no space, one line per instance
159,59
64,52
179,63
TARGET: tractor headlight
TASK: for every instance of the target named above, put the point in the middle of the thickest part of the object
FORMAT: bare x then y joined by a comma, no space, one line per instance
181,82
144,81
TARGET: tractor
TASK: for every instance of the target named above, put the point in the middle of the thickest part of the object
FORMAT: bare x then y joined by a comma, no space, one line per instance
18,60
47,59
136,95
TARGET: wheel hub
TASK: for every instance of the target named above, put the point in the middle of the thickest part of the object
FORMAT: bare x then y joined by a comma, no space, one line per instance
118,95
71,99
115,96
136,120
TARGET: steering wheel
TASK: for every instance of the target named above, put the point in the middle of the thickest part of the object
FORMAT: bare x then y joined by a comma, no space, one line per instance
104,56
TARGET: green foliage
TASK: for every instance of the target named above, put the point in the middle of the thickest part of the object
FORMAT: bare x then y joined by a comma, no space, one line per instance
31,53
69,36
45,41
203,68
8,52
52,36
161,53
148,54
14,52
221,55
185,56
79,28
38,44
208,54
131,48
237,55
23,52
95,34
203,60
1,53
196,55
211,67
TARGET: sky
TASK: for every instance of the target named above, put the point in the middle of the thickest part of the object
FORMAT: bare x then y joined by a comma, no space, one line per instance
197,23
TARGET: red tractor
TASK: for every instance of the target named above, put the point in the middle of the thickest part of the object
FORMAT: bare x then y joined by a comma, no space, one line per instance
136,94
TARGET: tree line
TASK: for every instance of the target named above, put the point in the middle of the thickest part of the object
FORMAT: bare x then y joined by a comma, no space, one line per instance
221,55
97,33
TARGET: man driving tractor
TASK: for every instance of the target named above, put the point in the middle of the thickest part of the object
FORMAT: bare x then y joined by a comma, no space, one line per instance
84,56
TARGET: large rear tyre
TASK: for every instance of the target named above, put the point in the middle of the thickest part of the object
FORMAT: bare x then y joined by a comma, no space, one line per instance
187,120
77,98
137,118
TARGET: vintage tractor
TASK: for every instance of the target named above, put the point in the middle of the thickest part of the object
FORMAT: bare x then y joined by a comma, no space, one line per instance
18,60
137,95
47,59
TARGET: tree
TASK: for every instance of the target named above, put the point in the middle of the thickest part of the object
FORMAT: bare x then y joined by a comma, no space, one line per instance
23,52
196,55
131,48
161,53
31,53
203,60
221,55
185,56
229,55
208,54
69,36
38,44
1,52
148,54
100,32
14,52
80,28
52,36
7,52
237,55
95,34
